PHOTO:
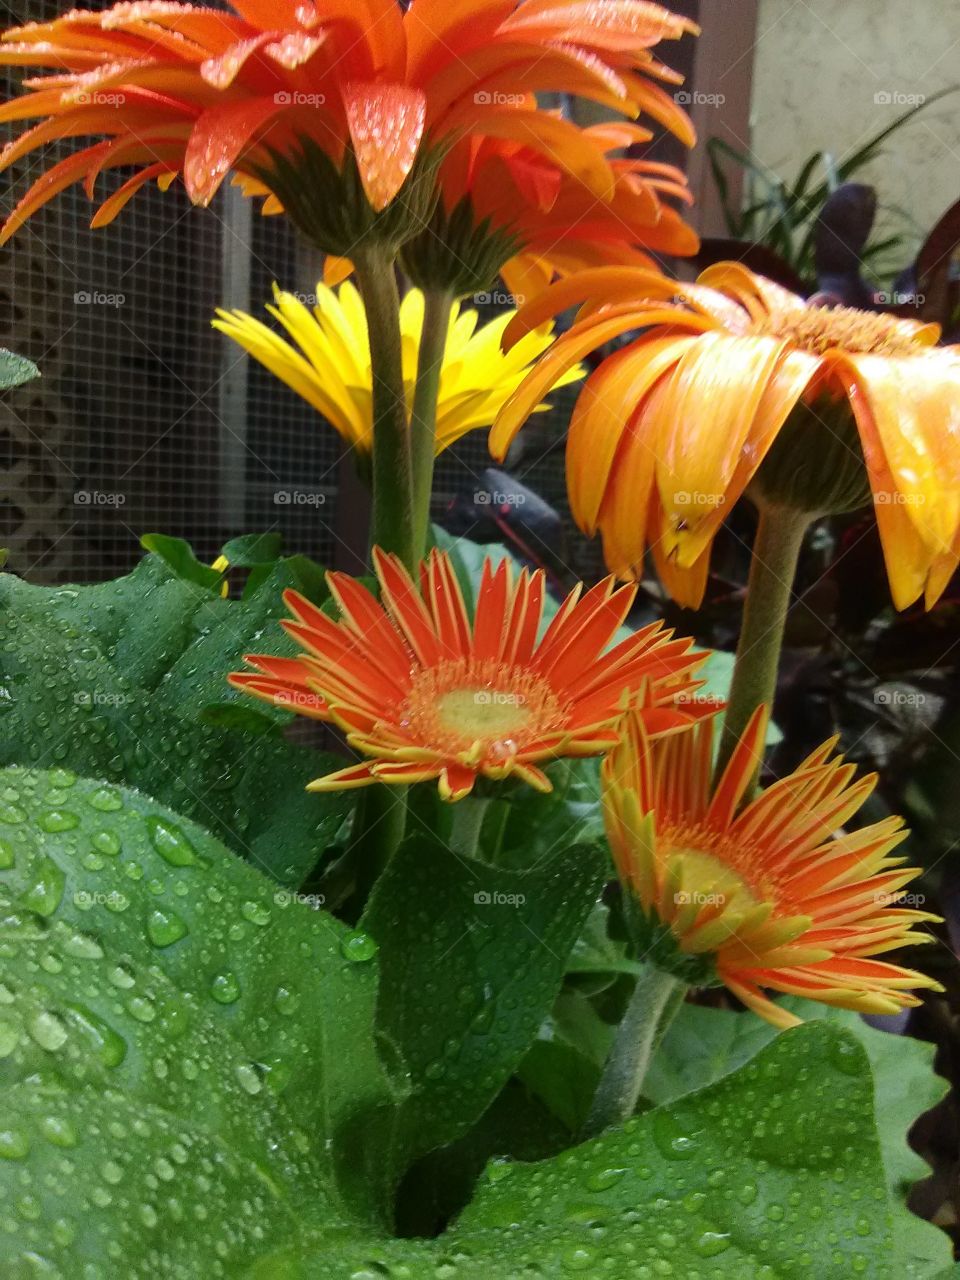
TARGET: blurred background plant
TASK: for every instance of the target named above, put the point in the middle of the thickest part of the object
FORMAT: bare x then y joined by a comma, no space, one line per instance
783,215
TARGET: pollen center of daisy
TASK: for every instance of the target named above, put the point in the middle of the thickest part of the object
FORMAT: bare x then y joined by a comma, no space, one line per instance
712,878
462,702
482,713
819,329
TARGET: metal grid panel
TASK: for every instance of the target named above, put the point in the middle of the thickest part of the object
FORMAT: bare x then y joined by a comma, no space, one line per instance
147,419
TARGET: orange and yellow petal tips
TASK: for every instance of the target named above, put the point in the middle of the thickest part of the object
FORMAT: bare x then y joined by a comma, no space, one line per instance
423,692
671,429
766,895
269,89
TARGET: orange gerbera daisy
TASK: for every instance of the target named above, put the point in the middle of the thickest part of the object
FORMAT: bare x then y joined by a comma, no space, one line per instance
177,89
427,695
670,430
766,897
502,194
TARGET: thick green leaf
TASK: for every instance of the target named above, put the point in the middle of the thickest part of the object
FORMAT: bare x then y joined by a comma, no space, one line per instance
190,1074
178,554
203,944
253,549
563,1066
15,370
102,679
706,1044
772,1172
471,958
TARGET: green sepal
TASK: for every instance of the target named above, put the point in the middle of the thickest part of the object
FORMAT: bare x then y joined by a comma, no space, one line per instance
330,206
457,252
816,464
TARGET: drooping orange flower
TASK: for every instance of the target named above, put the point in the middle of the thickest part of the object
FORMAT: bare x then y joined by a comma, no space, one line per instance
177,89
766,895
426,694
669,430
557,225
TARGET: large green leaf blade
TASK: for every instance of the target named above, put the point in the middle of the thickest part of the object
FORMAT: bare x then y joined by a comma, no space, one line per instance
772,1172
471,959
159,891
707,1044
87,680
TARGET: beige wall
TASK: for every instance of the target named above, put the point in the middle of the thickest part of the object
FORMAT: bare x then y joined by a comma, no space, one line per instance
819,68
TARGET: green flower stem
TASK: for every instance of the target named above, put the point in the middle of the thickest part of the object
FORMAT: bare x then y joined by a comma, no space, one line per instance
423,425
468,816
381,814
379,824
654,1004
392,523
773,568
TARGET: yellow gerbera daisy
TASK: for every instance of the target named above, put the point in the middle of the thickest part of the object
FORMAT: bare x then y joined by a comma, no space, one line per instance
328,362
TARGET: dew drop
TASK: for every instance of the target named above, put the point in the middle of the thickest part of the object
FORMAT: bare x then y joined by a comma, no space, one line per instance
712,1243
255,912
101,1038
105,800
164,928
9,1038
7,857
171,844
58,1131
225,988
47,1030
604,1179
286,1001
249,1078
54,820
141,1008
107,842
358,946
46,892
14,1144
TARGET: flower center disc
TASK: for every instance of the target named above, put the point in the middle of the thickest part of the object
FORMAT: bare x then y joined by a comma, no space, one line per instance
482,713
460,703
820,329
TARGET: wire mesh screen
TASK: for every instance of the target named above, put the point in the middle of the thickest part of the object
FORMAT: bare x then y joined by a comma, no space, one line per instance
147,419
